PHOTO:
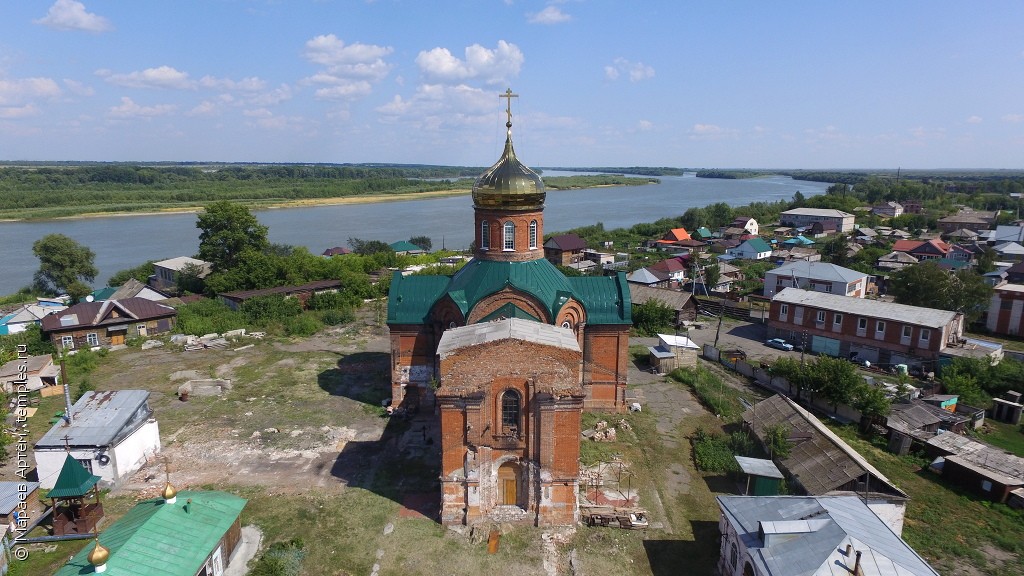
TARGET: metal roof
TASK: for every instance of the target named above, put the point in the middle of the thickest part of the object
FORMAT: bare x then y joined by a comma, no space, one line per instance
566,242
100,419
818,271
11,494
159,539
508,329
74,481
928,317
606,299
180,262
758,467
103,313
807,535
819,212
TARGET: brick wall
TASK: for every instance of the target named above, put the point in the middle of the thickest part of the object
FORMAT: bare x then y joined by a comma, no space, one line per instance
496,220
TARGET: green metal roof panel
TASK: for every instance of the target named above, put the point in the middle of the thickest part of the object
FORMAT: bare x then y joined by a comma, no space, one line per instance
411,298
159,539
73,481
510,310
759,245
605,298
103,293
538,278
403,246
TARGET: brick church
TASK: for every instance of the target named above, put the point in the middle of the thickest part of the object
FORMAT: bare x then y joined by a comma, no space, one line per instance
510,352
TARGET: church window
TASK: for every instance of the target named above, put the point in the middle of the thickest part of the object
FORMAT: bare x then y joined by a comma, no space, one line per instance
533,234
485,235
567,324
510,236
510,411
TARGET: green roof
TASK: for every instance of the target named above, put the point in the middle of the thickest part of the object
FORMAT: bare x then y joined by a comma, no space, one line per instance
103,293
605,298
703,232
159,539
73,481
403,246
509,310
759,245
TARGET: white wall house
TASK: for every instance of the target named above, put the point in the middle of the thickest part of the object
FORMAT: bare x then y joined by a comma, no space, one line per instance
800,217
111,433
816,276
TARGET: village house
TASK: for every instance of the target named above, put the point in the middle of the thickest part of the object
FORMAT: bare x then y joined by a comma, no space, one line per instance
26,315
107,323
39,371
165,272
702,234
564,249
681,302
822,464
879,332
187,533
1009,252
987,471
130,289
112,434
673,237
816,276
895,261
1006,310
672,351
795,254
753,249
976,220
647,277
924,250
787,535
890,209
1004,233
336,251
675,268
745,223
804,217
235,299
864,235
19,501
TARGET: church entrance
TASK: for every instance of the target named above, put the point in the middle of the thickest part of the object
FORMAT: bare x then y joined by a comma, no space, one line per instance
508,484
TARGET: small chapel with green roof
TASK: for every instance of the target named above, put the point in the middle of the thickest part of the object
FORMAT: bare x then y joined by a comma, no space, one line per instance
509,351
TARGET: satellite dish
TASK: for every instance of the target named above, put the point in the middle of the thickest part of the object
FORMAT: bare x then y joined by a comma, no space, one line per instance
89,298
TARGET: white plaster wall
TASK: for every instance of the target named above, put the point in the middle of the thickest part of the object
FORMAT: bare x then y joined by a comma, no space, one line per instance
49,463
131,453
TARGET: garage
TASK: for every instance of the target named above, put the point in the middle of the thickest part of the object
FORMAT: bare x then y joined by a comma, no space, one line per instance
827,346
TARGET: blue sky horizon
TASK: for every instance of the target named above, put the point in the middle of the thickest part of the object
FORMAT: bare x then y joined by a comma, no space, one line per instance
812,85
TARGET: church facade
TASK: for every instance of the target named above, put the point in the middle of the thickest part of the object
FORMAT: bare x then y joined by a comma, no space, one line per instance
509,351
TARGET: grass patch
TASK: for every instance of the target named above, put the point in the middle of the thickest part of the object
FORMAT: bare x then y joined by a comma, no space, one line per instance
713,393
1000,434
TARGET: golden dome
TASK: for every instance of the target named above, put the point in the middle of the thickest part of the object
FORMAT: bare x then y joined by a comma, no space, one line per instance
509,184
169,492
99,554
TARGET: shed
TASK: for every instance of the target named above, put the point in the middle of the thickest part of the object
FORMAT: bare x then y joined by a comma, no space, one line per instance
39,371
19,504
763,476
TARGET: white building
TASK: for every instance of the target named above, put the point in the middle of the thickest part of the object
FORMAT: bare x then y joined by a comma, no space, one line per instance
816,276
165,272
111,433
800,217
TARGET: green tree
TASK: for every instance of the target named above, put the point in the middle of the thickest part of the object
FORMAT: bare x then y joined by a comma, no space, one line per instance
64,266
140,273
712,274
776,441
870,401
226,231
190,279
423,242
836,379
928,285
367,247
653,317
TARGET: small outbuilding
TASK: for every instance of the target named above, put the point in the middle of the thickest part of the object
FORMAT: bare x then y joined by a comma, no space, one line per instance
112,434
763,476
33,373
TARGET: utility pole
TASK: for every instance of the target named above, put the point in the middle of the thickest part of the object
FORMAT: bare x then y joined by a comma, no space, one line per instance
803,346
719,331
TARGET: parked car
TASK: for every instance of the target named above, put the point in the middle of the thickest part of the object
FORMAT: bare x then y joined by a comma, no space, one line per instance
779,344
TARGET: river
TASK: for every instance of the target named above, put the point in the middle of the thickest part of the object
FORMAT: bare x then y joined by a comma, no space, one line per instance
122,242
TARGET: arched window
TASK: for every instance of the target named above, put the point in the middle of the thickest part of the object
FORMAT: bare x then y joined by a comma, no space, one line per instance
533,234
510,236
485,235
510,410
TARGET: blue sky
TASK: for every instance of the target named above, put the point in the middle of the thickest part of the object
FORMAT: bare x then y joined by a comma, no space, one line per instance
822,84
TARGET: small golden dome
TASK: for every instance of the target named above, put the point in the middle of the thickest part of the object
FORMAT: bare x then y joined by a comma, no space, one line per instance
99,554
509,184
169,492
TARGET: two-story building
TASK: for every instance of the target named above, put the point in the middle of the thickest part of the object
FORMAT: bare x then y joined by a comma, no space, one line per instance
890,209
165,272
1006,310
816,276
801,217
865,330
564,249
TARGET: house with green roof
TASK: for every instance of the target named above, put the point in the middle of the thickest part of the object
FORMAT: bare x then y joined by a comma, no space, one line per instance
402,247
190,533
752,249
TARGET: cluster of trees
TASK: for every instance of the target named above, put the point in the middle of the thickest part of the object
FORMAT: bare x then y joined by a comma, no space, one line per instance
929,286
835,380
977,381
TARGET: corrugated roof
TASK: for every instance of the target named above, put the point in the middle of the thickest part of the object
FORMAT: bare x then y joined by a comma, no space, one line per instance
818,271
606,299
1007,468
915,315
100,419
411,297
33,364
566,242
511,328
758,467
159,539
674,299
180,262
819,212
11,494
307,287
820,460
810,534
73,481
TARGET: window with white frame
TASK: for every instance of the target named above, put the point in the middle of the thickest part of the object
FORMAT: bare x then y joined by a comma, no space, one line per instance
67,342
533,234
509,236
905,334
837,319
485,235
783,311
821,317
862,324
93,339
880,329
925,337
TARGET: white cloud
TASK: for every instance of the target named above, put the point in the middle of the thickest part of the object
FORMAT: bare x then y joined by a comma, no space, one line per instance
636,71
71,15
11,112
645,125
974,120
435,107
23,90
251,84
549,15
77,88
129,109
344,91
271,97
712,132
204,108
160,77
1013,118
491,66
329,50
350,69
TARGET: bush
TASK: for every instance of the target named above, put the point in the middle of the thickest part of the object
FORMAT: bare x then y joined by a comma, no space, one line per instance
265,309
208,317
281,559
84,386
337,317
304,325
712,453
329,301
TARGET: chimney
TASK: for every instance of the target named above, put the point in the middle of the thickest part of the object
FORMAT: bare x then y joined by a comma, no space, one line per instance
849,550
856,566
